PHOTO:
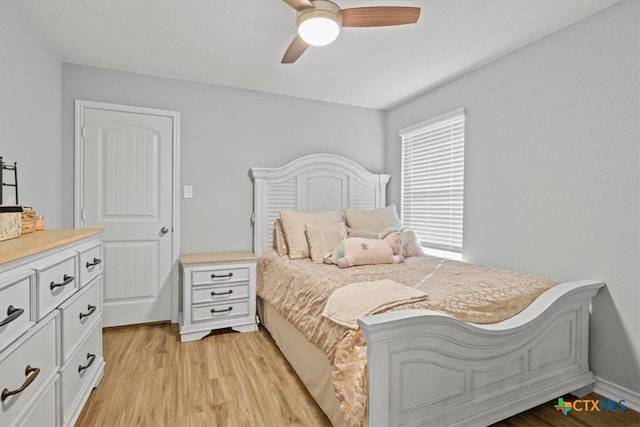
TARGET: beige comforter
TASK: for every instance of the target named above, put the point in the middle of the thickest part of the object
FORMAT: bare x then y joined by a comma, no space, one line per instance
299,289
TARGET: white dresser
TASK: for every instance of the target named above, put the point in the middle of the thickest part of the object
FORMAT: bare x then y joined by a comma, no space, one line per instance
50,326
218,291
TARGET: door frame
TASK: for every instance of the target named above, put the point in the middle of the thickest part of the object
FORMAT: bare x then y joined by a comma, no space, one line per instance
78,204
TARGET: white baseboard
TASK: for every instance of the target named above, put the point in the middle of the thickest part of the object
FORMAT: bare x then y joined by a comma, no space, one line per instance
615,392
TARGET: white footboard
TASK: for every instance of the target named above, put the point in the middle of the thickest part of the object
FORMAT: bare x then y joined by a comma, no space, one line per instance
427,368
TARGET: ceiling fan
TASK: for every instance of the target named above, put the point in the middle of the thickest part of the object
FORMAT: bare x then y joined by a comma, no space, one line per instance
319,22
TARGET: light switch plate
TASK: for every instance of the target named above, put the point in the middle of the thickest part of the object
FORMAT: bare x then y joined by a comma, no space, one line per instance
188,191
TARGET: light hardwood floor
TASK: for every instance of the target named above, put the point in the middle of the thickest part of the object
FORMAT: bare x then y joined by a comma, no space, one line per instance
231,379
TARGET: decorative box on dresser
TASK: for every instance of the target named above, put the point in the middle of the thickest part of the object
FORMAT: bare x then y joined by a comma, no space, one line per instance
50,326
218,291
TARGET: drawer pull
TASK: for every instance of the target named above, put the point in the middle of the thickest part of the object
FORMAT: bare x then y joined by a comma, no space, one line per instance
95,262
213,310
221,276
91,358
215,294
65,281
27,382
91,308
12,313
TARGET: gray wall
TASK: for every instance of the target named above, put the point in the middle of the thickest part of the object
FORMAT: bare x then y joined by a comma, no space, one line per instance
552,169
224,132
30,90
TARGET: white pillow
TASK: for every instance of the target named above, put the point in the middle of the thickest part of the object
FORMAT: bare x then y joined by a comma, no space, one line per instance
411,243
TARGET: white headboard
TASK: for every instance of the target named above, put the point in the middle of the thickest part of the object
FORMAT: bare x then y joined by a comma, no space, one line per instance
313,183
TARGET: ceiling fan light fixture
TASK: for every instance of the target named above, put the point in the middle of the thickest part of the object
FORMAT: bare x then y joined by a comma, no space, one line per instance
319,22
319,26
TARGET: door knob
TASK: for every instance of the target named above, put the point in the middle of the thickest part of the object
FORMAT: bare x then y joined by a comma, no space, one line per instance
164,230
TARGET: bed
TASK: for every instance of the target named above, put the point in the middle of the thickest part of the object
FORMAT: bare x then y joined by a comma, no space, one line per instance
423,366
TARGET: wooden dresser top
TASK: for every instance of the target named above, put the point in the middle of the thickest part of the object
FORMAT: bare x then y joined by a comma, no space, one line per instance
40,241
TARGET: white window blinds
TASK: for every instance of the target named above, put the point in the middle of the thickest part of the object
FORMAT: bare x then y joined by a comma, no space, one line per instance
433,180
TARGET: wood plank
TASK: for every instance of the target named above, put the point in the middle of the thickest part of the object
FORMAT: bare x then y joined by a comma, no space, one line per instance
232,379
225,379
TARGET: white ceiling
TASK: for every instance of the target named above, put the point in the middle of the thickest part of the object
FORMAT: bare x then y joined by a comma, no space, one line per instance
239,43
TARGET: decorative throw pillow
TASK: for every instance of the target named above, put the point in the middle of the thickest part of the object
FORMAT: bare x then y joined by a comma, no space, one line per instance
322,238
373,220
293,224
411,243
360,251
279,242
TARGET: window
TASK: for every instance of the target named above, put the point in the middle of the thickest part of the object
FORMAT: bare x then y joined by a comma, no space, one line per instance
433,182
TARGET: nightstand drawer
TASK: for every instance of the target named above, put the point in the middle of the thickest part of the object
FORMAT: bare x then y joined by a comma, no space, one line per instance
221,311
220,292
220,274
15,306
78,314
90,264
56,283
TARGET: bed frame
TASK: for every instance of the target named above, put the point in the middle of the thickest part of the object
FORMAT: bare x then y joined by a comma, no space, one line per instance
425,367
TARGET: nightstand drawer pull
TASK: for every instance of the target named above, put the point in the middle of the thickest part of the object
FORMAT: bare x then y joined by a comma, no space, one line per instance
215,276
213,310
65,281
215,294
27,382
91,358
95,262
12,313
91,308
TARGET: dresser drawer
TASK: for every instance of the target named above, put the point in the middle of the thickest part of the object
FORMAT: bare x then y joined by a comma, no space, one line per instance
55,283
77,373
44,411
220,274
78,314
220,292
15,305
26,367
223,310
90,263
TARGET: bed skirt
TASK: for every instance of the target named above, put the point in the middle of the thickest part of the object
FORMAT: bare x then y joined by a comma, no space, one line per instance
309,362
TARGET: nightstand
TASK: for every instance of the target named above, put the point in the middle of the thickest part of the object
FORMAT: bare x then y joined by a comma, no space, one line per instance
218,291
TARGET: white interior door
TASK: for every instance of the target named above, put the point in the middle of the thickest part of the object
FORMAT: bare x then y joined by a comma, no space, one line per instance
127,190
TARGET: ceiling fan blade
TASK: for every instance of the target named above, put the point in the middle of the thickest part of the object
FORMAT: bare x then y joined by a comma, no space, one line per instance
379,16
299,4
294,51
